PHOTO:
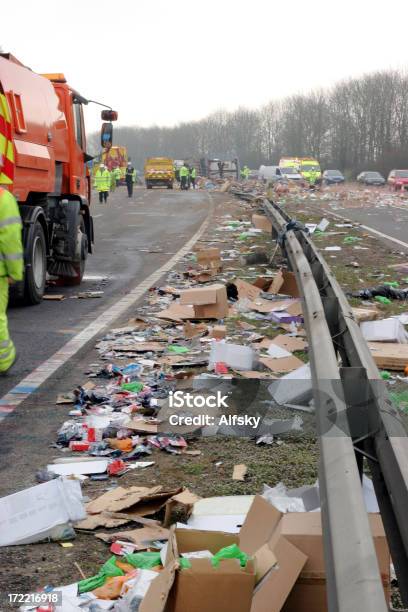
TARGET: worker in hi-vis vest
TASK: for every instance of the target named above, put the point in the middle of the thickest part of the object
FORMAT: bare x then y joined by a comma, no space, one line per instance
102,182
184,172
11,269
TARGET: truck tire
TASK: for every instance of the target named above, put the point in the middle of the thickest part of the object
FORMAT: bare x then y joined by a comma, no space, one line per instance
36,266
72,281
170,186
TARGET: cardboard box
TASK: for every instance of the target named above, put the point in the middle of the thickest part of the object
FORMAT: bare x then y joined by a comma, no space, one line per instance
219,332
208,302
285,283
274,571
262,222
389,356
303,530
205,588
209,258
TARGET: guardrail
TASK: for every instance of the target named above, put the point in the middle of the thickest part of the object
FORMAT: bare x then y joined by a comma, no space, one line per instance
356,420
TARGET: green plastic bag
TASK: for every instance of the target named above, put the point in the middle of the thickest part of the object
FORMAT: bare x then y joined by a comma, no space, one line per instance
394,284
382,299
107,570
243,236
385,375
143,560
134,386
179,350
228,552
350,239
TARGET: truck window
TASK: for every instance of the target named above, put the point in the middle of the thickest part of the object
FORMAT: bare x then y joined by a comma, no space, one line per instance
77,110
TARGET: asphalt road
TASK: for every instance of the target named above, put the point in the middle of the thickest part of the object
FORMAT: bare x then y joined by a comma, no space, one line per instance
388,220
133,239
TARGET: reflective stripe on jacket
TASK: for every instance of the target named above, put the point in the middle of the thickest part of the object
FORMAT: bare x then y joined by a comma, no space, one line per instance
102,180
11,248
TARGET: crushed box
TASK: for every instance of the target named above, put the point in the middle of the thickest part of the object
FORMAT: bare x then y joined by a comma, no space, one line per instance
208,302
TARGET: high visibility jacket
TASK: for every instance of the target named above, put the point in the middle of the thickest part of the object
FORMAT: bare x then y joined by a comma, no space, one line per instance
183,171
130,175
102,180
245,172
117,173
11,248
193,173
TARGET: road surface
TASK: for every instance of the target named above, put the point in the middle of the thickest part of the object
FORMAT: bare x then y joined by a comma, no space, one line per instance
134,237
390,221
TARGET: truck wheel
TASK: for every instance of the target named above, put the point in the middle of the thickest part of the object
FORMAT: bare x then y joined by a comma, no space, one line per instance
35,276
170,186
72,281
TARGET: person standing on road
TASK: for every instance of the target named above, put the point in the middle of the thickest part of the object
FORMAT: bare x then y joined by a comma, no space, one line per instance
183,176
193,174
102,183
245,172
118,175
130,178
11,269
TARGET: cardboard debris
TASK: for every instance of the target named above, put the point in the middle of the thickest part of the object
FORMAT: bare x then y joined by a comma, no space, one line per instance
239,472
257,374
262,222
290,343
365,314
130,499
208,302
186,500
246,290
284,364
209,258
141,537
389,356
192,331
285,283
58,297
218,332
177,312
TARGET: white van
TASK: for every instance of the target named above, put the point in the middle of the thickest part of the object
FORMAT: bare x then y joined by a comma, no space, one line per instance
270,173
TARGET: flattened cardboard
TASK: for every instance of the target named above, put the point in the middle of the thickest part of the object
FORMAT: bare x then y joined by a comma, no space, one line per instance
239,472
290,343
177,312
191,331
199,296
246,290
284,364
389,355
365,314
141,537
256,374
262,222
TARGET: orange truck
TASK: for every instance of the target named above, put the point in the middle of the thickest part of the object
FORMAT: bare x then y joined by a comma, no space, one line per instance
49,178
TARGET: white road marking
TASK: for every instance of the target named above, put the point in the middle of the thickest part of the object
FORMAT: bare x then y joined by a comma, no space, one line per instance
370,229
29,384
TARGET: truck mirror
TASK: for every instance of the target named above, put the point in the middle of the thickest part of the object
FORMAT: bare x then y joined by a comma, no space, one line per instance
106,135
109,115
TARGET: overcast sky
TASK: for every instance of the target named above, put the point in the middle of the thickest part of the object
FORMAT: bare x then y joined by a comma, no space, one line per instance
165,61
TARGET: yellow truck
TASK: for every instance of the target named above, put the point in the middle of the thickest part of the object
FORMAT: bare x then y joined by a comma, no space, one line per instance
159,171
310,167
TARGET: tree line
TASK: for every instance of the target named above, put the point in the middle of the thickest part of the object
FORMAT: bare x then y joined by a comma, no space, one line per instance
359,124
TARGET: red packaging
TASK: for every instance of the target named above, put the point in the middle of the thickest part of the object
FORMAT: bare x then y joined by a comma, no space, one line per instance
221,368
91,434
116,467
79,445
